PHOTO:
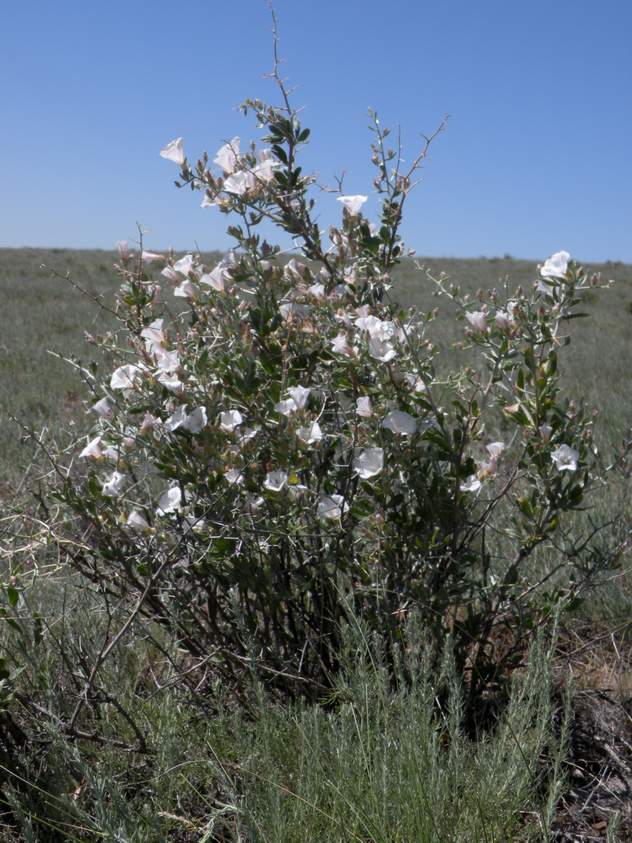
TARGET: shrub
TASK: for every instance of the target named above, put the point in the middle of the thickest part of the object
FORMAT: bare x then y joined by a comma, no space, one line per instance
277,453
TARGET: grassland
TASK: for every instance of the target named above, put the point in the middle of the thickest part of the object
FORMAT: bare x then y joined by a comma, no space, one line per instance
381,764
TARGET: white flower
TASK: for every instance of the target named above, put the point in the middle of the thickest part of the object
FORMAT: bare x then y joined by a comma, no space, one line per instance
174,151
115,485
185,265
352,203
369,463
93,450
275,480
556,266
363,407
171,274
170,501
317,291
565,458
229,420
286,407
545,431
400,422
226,157
193,422
234,477
186,290
477,319
340,345
216,278
381,350
310,434
152,257
470,484
177,419
154,336
266,168
504,321
170,381
125,377
196,421
299,395
495,449
103,408
137,521
332,507
240,183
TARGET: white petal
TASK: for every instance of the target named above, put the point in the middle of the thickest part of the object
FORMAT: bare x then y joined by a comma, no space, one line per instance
196,421
310,434
275,480
286,407
331,507
137,521
93,449
353,203
115,485
299,394
174,151
229,420
226,156
369,463
125,377
556,266
363,407
470,484
400,422
170,501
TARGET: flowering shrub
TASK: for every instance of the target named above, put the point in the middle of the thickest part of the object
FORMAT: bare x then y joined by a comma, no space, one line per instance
275,450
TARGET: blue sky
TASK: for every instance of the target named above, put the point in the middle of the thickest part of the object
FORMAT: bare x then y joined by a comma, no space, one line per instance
536,157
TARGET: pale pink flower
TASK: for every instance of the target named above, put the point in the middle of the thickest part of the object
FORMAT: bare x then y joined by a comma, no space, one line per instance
400,423
170,501
332,507
363,407
185,290
125,377
227,155
381,350
299,395
369,463
556,266
152,257
505,321
565,458
185,265
275,480
234,477
174,151
122,247
103,408
137,521
240,183
545,431
113,487
286,407
340,345
477,319
352,203
93,450
310,434
229,420
470,484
